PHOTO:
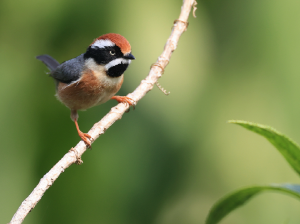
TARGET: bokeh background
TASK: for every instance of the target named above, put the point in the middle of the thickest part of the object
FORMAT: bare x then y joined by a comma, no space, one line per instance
172,158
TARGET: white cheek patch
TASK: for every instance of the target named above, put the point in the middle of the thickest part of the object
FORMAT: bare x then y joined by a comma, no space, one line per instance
117,62
102,44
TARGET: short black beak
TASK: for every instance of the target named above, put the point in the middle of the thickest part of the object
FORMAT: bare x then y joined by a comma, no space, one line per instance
129,56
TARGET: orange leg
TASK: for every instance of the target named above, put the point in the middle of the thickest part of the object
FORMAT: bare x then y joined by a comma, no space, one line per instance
124,99
84,136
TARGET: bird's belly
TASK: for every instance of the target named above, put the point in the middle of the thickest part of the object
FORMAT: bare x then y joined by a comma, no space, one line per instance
90,90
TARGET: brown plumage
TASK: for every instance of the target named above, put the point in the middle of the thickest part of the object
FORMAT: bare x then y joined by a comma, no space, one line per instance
119,40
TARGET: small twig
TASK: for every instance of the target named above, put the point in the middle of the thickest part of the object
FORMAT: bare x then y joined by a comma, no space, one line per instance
115,114
194,8
157,83
161,88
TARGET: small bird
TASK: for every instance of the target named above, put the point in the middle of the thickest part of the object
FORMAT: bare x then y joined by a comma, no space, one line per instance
92,78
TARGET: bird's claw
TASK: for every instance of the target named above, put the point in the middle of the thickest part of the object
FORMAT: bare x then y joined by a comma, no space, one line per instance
86,138
126,100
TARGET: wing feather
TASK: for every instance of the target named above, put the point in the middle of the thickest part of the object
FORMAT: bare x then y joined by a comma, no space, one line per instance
70,70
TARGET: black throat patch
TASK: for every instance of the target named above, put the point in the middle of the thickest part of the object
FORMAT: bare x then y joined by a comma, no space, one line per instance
117,70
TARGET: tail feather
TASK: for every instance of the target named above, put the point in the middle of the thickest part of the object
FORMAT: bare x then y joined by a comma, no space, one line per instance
51,63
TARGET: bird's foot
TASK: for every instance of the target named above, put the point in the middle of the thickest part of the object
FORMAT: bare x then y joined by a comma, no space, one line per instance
125,99
86,138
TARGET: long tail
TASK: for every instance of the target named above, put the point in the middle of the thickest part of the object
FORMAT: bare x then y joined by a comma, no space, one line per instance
51,63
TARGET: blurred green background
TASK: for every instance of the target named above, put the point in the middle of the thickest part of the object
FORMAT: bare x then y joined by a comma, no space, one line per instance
168,161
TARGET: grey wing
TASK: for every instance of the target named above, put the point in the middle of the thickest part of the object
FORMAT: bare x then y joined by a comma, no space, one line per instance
70,70
51,63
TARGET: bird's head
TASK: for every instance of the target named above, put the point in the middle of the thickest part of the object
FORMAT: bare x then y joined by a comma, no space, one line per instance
112,51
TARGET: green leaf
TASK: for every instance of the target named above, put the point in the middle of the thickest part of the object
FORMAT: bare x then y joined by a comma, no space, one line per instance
289,149
234,200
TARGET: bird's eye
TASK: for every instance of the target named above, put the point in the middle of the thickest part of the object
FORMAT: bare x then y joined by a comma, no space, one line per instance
112,52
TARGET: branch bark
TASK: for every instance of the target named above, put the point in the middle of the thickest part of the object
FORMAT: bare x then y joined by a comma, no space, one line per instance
116,113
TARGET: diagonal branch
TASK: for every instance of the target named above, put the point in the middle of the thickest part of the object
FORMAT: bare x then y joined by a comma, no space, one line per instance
74,155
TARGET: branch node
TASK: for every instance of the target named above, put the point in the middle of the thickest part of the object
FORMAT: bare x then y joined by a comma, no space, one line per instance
158,65
78,158
194,8
184,22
